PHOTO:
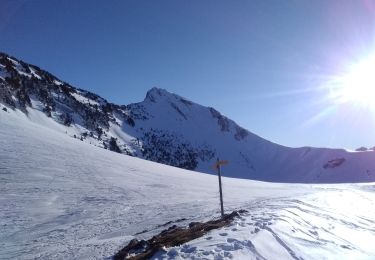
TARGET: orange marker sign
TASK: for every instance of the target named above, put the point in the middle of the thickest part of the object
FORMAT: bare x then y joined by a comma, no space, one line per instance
219,163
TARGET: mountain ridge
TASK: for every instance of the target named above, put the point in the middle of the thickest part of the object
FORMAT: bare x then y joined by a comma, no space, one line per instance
170,129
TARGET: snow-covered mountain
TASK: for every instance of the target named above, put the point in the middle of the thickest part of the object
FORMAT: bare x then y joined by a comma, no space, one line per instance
61,198
170,129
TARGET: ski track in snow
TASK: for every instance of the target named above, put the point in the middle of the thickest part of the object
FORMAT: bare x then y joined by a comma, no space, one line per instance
61,198
289,229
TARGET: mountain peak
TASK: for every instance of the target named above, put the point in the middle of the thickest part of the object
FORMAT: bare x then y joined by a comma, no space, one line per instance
156,93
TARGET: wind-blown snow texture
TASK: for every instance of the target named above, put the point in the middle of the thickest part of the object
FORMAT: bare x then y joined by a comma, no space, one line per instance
61,198
169,129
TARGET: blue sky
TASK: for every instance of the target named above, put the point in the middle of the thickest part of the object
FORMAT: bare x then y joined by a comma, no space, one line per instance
261,63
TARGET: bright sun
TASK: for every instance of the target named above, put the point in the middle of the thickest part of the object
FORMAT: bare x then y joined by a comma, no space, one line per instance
358,86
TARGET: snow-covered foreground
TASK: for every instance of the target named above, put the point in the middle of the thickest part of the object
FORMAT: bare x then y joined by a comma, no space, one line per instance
331,224
64,199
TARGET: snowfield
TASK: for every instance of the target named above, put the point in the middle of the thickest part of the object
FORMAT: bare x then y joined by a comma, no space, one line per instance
61,198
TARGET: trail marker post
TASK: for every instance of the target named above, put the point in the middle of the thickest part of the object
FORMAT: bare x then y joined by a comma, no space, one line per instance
218,167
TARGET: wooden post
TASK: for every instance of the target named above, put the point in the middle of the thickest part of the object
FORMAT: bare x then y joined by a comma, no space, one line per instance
220,188
218,167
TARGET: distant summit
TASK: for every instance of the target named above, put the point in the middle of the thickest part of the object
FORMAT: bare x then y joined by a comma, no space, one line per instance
169,129
155,93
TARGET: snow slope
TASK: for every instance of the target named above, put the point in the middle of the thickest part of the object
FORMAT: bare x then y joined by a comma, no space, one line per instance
62,198
172,130
250,156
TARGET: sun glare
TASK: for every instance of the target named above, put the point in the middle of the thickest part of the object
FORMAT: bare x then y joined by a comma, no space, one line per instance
358,85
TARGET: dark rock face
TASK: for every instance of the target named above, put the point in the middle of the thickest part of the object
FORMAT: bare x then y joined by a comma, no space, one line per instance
167,148
173,236
334,163
240,133
113,145
23,83
222,121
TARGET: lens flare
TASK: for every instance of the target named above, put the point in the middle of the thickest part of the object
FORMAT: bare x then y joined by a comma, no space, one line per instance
357,86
